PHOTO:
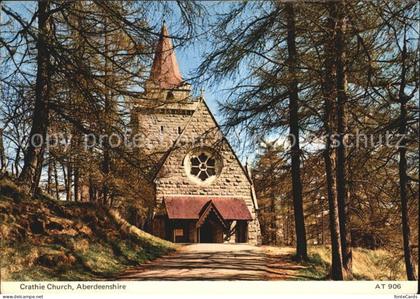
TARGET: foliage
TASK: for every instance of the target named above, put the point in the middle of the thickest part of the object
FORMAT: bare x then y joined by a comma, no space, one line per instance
44,239
368,264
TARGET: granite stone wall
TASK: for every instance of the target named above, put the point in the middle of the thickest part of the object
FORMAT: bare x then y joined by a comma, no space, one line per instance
193,127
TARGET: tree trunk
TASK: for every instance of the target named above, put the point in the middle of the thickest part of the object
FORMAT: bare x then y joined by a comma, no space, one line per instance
3,162
91,190
76,184
69,179
57,190
322,221
341,186
406,232
107,110
105,171
76,166
301,246
17,161
49,175
286,234
329,93
337,266
273,224
65,177
76,99
34,154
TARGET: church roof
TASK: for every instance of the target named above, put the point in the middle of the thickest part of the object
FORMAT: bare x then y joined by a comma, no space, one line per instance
165,70
191,207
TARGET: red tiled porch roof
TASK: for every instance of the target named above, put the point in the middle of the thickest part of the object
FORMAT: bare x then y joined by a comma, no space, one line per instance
208,209
179,207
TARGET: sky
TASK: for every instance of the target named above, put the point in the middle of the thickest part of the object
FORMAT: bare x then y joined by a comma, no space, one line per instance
188,56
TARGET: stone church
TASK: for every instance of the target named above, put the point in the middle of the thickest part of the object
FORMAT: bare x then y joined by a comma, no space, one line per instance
202,193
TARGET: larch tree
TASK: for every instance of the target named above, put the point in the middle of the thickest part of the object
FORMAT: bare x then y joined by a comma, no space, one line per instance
268,97
34,154
341,119
329,95
293,92
71,87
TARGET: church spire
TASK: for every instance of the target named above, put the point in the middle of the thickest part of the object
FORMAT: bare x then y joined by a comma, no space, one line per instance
165,70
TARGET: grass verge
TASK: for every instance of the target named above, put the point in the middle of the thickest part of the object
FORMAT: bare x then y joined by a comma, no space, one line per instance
45,239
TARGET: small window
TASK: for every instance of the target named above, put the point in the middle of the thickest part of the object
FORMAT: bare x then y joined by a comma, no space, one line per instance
170,96
161,129
179,130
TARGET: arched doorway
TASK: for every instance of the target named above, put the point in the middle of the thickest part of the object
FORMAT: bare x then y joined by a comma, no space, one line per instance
211,231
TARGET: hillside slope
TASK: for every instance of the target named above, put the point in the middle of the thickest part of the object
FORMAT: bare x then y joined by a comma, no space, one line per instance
44,239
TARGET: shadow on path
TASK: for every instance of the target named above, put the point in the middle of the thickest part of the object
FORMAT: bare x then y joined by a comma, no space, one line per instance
217,262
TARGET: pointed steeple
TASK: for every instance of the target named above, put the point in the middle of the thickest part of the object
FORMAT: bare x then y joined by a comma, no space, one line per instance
165,70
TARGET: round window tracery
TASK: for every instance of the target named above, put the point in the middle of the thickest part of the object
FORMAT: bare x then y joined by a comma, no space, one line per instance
203,165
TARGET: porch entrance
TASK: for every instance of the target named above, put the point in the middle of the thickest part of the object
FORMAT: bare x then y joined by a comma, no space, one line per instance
211,232
203,220
210,225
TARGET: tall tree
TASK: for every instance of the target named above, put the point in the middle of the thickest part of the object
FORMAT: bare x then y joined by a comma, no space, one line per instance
73,92
267,98
403,97
271,177
329,93
3,162
292,88
341,179
31,172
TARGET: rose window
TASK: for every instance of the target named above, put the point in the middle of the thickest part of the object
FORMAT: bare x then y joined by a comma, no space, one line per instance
203,166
